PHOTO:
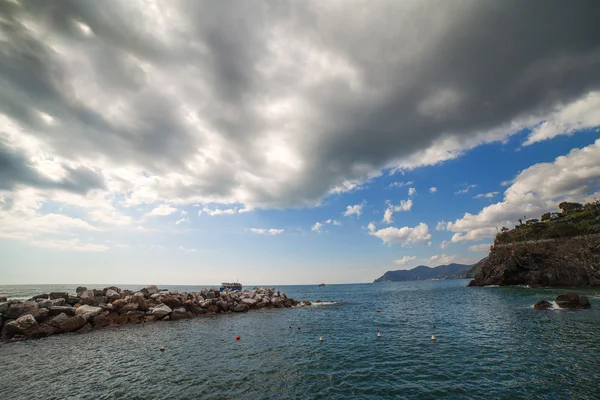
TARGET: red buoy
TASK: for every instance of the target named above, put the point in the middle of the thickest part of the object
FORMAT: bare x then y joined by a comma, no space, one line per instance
238,337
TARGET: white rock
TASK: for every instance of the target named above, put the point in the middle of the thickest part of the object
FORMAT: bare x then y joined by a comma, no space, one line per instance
161,310
88,312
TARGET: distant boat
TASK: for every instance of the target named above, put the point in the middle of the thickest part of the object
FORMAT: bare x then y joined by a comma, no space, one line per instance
321,284
231,286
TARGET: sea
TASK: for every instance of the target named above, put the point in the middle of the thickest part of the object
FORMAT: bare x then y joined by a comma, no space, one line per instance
490,343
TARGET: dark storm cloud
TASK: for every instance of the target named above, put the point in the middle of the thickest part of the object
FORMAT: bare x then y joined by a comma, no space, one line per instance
15,169
424,71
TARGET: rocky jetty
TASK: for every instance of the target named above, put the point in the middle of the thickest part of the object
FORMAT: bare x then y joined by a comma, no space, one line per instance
58,312
568,300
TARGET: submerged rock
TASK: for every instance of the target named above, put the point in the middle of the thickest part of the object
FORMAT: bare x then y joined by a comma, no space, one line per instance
542,305
572,300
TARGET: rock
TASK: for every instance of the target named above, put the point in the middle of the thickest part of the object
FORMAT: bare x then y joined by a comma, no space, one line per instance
149,318
100,321
73,300
222,305
568,300
135,317
112,295
128,307
584,302
47,330
307,303
80,289
24,325
179,313
98,292
542,305
249,302
534,286
152,289
72,323
42,315
88,298
59,319
15,310
161,310
171,301
138,298
40,296
3,307
58,302
3,299
45,303
88,312
85,329
56,310
113,288
118,304
241,307
59,295
211,295
105,307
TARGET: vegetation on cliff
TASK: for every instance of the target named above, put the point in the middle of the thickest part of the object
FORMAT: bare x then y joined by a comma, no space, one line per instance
422,272
574,220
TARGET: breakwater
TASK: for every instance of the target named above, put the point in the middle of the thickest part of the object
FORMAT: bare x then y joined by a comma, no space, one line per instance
60,312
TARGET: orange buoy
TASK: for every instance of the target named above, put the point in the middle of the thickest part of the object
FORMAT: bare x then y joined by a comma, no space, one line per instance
378,310
238,337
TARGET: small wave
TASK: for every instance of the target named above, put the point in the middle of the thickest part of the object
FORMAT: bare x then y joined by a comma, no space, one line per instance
554,306
321,303
491,286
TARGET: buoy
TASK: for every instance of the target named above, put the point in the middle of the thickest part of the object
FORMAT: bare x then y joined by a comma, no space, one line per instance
238,337
162,348
321,339
432,338
378,334
298,328
434,325
378,310
290,327
377,330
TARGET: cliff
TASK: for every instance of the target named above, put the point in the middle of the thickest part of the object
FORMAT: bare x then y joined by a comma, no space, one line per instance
422,272
557,262
563,249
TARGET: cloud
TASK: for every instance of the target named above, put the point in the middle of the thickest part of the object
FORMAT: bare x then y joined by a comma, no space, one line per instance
266,108
163,210
405,205
486,195
70,245
353,210
317,227
182,220
506,183
480,247
371,227
405,236
537,189
268,232
400,184
466,189
405,260
217,211
432,189
568,119
187,250
412,192
441,225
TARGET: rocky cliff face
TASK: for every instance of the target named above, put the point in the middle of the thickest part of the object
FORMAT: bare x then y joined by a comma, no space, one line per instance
561,262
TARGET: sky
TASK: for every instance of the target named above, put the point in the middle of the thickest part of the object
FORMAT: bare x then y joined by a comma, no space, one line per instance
194,142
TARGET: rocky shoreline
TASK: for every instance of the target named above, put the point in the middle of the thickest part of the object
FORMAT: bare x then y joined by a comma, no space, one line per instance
59,312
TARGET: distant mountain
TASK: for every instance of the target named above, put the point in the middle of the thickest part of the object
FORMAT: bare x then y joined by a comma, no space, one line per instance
422,272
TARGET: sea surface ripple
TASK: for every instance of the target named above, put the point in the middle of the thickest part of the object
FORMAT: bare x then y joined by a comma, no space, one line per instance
490,344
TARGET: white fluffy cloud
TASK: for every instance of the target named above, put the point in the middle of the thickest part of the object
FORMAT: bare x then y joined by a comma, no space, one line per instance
432,189
405,236
268,232
353,210
441,225
405,205
163,210
466,189
486,195
441,259
405,260
400,184
537,189
412,191
317,227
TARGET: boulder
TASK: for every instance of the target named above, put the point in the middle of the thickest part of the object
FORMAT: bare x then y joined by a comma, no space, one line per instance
15,310
241,307
128,307
105,307
249,301
3,307
59,295
100,321
149,318
138,298
72,323
46,330
88,312
568,300
42,315
135,317
80,289
179,313
85,329
542,305
56,310
171,301
40,296
58,302
118,304
223,306
45,303
584,302
3,299
113,288
24,325
73,300
88,298
152,289
112,295
59,319
98,292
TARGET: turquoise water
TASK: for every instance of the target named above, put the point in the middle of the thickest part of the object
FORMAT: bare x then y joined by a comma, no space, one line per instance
490,344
